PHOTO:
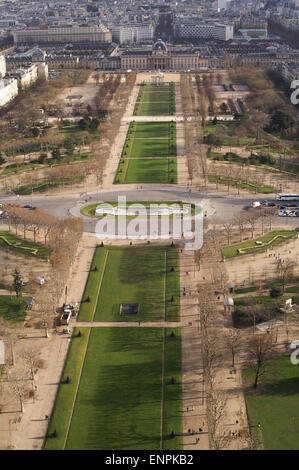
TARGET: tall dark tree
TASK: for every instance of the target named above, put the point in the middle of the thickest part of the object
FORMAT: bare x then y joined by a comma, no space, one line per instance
17,283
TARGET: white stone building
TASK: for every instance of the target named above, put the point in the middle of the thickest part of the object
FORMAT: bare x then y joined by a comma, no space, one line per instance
133,33
63,35
8,91
2,66
26,76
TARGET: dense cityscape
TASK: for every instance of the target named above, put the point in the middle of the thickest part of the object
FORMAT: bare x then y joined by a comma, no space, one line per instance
149,204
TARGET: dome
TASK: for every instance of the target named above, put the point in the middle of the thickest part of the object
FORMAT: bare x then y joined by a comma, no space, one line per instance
160,46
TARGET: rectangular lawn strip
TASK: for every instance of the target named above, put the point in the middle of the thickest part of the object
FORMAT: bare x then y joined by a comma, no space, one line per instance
172,391
159,88
172,171
136,275
253,247
118,404
172,285
92,285
152,148
147,130
121,174
66,391
150,171
164,108
154,97
24,247
13,308
275,405
153,100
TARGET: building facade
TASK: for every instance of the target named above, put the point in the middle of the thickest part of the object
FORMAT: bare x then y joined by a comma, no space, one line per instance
2,66
73,34
191,30
133,33
8,91
26,76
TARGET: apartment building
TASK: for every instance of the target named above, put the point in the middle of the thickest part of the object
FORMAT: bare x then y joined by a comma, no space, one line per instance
8,91
2,66
63,35
133,33
26,76
192,30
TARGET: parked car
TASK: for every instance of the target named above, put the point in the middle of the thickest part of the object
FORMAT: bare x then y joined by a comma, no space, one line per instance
29,206
255,204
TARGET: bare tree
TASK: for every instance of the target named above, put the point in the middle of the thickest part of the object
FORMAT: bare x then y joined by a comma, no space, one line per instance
285,271
228,226
19,388
259,350
31,357
240,221
233,341
216,406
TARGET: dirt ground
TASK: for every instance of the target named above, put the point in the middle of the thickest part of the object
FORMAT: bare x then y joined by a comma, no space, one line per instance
246,269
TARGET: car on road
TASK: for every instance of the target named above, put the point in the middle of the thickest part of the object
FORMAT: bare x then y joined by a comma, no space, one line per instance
29,206
282,213
255,204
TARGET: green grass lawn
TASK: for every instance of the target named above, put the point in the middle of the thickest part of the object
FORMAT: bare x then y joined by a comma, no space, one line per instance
90,209
293,289
150,170
146,88
155,96
12,308
92,285
151,108
69,130
266,308
119,400
66,392
24,167
118,405
45,186
252,247
148,130
13,243
172,392
134,275
10,169
263,189
142,148
275,405
155,142
155,101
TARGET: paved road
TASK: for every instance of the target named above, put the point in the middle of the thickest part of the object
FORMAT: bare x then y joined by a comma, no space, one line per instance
221,207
